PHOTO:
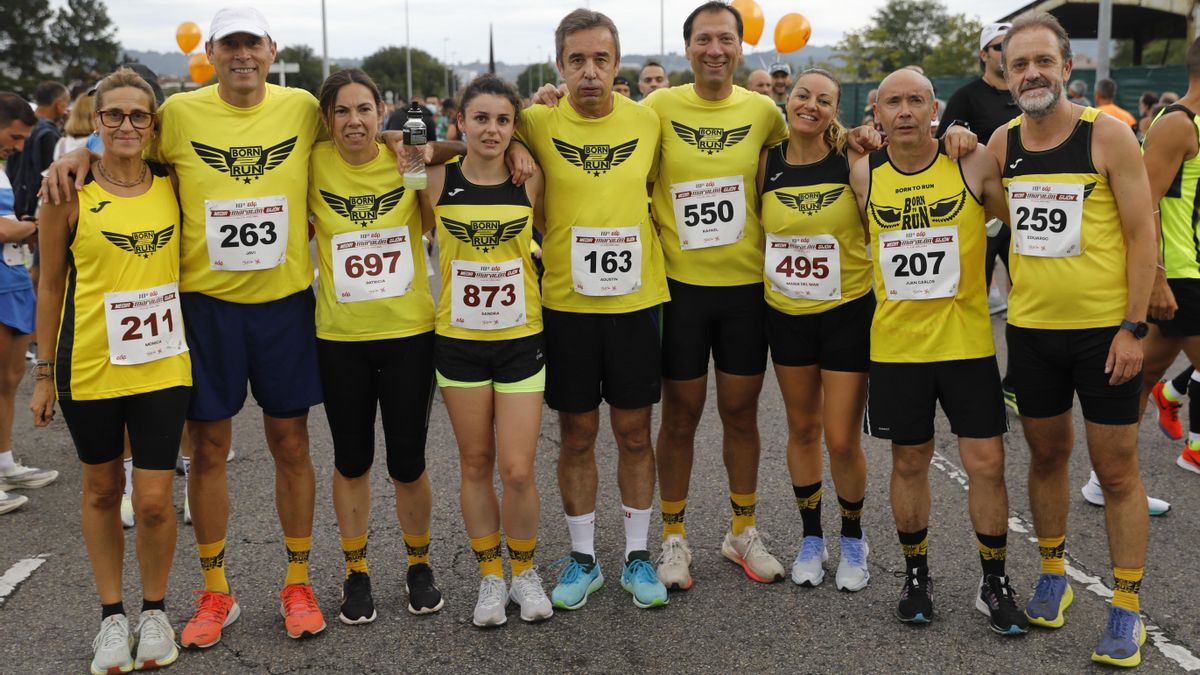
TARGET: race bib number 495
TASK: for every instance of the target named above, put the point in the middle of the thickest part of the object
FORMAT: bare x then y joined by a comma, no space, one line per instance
1047,218
606,261
920,264
804,267
246,234
144,325
370,264
710,212
487,296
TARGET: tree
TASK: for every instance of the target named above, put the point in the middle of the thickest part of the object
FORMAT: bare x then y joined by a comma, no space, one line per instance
309,76
387,67
1154,53
955,53
84,41
911,32
679,77
23,40
534,76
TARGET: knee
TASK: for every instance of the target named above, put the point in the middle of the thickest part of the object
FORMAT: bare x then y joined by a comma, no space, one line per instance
739,414
408,470
634,442
1118,477
477,468
983,467
152,509
352,467
843,449
102,495
807,433
1044,459
909,465
577,442
517,477
11,379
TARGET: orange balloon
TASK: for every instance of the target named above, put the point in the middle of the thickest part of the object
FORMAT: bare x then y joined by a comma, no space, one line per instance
791,33
187,36
752,20
200,69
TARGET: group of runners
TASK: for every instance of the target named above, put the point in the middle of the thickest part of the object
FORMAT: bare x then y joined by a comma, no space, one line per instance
700,222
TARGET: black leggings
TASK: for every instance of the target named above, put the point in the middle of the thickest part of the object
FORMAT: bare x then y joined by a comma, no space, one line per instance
154,420
396,374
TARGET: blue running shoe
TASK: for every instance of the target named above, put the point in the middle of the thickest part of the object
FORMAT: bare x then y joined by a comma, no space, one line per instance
642,582
1122,640
1051,597
807,568
579,578
852,572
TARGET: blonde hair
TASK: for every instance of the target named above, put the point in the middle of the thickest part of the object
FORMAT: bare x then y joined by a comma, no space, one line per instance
126,77
835,135
79,123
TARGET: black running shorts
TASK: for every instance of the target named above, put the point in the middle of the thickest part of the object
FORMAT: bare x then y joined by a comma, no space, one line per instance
1187,318
837,339
154,420
901,398
611,356
726,321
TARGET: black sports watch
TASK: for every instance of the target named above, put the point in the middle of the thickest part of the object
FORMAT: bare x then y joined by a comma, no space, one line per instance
1139,329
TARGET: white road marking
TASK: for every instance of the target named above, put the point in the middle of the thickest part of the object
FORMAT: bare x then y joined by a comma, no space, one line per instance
18,573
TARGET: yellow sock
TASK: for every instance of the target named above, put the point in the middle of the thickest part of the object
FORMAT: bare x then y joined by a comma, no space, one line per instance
672,515
212,566
417,546
1053,554
743,510
520,554
355,550
297,554
487,552
1125,590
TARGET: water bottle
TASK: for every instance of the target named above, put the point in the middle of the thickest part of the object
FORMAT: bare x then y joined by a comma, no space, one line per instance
415,137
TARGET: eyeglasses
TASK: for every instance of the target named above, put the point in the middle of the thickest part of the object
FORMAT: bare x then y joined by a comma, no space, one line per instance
998,47
113,119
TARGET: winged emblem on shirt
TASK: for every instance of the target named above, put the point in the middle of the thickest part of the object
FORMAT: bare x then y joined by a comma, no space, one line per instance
245,162
484,235
597,158
710,139
363,209
143,242
809,203
916,213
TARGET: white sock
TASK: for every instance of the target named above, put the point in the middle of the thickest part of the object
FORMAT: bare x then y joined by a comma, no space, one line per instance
1195,377
1193,439
6,460
583,533
129,477
187,462
637,525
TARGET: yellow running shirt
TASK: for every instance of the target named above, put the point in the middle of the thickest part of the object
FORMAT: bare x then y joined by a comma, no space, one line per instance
928,239
243,186
1068,262
601,252
816,248
373,283
489,284
705,199
122,329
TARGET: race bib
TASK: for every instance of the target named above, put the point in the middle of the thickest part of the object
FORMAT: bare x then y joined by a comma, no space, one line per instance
14,254
1046,218
487,296
920,264
371,264
246,234
144,325
807,268
710,212
606,261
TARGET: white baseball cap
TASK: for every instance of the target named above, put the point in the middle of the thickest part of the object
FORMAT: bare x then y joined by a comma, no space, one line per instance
991,32
230,20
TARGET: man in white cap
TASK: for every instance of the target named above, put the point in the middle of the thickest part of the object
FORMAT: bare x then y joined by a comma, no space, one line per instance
781,83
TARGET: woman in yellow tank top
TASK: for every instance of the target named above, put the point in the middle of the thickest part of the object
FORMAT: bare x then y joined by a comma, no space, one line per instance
111,347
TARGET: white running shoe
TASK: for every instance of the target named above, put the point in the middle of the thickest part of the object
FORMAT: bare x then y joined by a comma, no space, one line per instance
155,641
489,608
852,572
1094,495
126,511
112,647
231,455
674,563
11,502
17,477
187,511
807,568
750,551
527,592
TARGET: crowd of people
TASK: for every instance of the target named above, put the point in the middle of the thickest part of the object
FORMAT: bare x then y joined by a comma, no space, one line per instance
175,270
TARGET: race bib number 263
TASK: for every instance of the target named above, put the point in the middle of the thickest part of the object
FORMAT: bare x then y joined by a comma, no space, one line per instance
246,234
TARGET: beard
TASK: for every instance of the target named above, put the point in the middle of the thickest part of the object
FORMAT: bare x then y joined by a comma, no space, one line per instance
1039,104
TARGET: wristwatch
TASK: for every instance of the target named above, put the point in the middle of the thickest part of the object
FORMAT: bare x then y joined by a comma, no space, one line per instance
1139,329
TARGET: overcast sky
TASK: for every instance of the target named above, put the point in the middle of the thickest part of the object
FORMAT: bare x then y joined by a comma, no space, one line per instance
524,29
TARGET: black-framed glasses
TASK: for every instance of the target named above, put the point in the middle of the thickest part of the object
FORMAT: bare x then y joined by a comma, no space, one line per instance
998,47
113,118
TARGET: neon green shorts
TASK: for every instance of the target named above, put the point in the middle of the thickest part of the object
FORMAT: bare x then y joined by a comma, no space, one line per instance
533,383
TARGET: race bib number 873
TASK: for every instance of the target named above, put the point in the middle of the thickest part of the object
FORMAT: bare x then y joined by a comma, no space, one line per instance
487,296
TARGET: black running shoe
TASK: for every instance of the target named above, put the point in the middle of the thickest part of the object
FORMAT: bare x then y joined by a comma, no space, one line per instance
423,595
999,602
357,605
916,599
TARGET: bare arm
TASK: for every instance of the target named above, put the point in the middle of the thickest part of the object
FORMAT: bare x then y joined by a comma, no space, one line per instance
435,179
57,221
1171,141
535,189
980,165
13,230
66,175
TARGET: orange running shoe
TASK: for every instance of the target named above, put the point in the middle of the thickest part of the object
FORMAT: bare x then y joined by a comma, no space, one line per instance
1168,413
214,611
1189,459
301,615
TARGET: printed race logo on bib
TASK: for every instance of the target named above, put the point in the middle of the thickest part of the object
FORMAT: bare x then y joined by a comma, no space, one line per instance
1047,218
710,212
144,325
920,264
606,261
487,296
371,264
246,234
807,268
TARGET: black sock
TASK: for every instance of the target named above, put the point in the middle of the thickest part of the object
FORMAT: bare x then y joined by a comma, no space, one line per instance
160,605
808,500
106,611
1183,380
916,548
993,549
851,518
1193,413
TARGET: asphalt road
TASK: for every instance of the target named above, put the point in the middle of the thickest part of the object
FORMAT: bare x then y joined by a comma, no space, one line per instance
725,623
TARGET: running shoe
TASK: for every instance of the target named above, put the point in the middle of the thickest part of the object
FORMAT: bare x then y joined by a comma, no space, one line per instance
155,641
187,511
358,607
489,608
1094,495
640,580
997,302
1189,459
424,597
1051,597
179,470
998,601
527,592
579,577
17,477
214,611
807,568
852,572
916,598
1121,644
113,647
674,563
11,502
750,551
1010,397
1168,412
126,511
301,615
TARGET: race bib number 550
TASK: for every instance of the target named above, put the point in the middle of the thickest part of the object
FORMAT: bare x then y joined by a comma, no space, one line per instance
710,212
246,234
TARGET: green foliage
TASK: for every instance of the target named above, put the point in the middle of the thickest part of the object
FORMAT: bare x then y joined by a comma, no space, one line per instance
387,67
23,40
1154,53
84,41
911,32
534,76
681,77
309,76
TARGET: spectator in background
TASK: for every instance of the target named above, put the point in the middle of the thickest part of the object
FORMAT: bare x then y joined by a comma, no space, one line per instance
653,76
759,80
25,166
621,86
781,83
395,121
869,111
1147,103
1076,91
448,121
433,103
1168,97
1105,94
78,127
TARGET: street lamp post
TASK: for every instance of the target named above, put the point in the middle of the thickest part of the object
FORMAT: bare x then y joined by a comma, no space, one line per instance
407,55
324,46
446,64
